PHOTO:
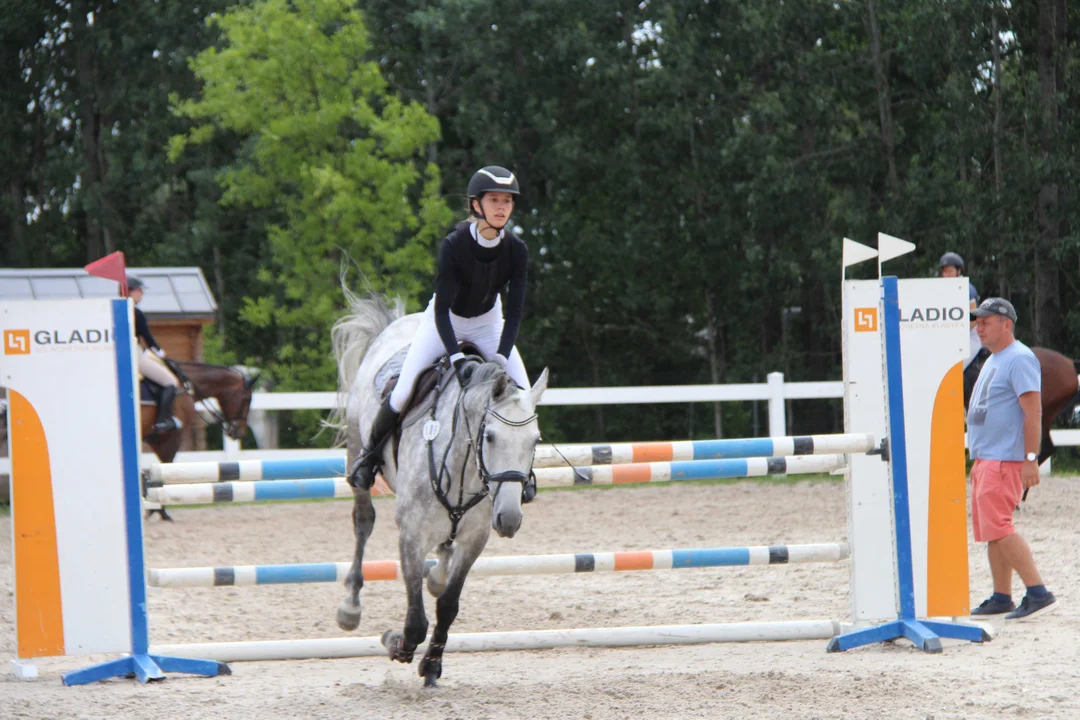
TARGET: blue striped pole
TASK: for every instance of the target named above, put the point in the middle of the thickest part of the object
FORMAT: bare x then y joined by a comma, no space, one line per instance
260,491
624,453
511,565
264,490
546,457
688,470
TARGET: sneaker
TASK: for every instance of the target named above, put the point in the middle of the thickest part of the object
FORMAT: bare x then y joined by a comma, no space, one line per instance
1030,609
991,607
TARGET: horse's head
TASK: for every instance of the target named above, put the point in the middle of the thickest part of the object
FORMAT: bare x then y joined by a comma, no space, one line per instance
506,441
230,387
236,404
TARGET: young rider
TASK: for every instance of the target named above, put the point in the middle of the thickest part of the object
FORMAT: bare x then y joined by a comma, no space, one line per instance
952,265
151,365
478,260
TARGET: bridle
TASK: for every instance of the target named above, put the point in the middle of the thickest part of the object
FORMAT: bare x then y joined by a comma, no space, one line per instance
228,424
474,448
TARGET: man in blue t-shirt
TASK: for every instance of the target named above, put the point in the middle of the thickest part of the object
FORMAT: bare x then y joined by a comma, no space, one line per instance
1004,430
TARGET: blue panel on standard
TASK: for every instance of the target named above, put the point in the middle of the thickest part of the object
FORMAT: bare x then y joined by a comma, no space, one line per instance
302,469
301,489
710,557
707,469
750,447
283,574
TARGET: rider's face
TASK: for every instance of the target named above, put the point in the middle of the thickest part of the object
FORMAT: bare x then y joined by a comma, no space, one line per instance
497,207
136,295
950,271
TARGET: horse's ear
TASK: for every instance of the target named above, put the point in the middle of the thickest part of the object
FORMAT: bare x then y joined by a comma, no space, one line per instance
499,387
539,387
249,382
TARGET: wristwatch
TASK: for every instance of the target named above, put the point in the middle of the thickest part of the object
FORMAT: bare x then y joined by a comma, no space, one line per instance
1031,456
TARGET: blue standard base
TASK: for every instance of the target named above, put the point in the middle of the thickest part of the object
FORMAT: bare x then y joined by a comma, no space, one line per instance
926,635
145,668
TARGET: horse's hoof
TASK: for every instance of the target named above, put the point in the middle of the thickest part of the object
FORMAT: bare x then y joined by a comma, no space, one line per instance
394,642
431,670
348,618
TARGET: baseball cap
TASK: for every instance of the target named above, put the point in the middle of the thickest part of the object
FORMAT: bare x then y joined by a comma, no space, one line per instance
995,306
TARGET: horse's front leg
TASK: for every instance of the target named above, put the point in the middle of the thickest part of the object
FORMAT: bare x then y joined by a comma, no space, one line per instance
348,614
401,645
446,607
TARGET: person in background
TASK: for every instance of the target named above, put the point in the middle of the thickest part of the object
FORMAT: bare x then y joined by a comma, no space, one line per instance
951,266
151,363
1004,431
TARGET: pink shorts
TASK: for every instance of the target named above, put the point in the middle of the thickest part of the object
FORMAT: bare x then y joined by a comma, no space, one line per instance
996,489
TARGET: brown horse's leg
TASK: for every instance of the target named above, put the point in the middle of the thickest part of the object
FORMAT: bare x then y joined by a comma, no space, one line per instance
164,446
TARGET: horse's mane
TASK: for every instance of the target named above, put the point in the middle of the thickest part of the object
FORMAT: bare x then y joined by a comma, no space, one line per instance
487,372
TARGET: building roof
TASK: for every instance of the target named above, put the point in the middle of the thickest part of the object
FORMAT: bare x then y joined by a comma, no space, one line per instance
171,292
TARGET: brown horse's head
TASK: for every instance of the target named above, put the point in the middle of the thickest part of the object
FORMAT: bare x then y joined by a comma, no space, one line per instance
232,390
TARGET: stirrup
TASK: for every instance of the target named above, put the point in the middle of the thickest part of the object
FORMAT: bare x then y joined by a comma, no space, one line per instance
167,426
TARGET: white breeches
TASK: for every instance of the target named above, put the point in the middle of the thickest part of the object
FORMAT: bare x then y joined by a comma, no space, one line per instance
976,346
153,368
484,331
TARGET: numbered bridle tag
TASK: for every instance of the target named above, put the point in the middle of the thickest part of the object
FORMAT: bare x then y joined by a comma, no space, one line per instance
431,430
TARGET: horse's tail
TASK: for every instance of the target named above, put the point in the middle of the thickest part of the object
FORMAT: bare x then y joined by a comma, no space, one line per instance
350,338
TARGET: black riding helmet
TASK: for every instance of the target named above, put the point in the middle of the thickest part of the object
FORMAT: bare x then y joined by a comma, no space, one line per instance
952,259
491,178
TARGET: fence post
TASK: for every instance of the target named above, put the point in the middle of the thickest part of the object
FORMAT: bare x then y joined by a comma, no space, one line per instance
777,421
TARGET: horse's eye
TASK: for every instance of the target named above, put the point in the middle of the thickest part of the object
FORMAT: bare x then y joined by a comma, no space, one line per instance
489,437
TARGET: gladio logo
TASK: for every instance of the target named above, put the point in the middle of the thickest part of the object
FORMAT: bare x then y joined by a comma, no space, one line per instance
865,319
16,342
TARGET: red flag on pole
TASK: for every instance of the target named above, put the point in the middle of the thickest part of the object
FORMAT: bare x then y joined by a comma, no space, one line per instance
111,267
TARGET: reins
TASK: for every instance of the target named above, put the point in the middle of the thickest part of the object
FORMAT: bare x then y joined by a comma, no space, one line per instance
474,449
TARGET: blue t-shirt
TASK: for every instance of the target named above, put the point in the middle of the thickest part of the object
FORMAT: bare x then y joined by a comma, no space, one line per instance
995,419
973,294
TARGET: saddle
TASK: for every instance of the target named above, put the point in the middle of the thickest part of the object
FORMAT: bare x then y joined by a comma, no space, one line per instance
425,383
150,392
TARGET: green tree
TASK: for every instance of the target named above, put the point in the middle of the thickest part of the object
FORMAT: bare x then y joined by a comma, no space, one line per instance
333,159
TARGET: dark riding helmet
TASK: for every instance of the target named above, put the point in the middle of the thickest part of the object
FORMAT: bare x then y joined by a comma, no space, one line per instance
134,283
492,178
952,259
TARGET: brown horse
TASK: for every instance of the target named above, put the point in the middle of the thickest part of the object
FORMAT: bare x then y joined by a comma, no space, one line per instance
231,389
1059,389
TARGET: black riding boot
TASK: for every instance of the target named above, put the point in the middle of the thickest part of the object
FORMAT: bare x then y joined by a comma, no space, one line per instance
166,422
369,462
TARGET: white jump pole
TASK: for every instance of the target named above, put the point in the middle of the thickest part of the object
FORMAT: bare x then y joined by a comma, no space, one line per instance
517,640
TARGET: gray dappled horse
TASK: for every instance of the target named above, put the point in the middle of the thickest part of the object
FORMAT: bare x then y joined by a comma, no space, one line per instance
458,470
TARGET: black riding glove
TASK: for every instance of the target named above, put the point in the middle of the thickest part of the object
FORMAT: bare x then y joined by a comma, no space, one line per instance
464,370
